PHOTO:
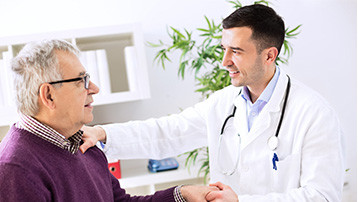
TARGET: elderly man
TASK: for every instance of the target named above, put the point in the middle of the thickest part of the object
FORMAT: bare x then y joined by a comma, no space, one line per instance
39,157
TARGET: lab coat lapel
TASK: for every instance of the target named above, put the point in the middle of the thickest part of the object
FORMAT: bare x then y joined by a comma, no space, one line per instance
261,124
267,120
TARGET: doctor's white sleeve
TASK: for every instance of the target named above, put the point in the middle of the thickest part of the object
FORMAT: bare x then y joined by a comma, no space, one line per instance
157,138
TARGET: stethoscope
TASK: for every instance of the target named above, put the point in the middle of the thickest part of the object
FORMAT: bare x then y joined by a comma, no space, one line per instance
272,142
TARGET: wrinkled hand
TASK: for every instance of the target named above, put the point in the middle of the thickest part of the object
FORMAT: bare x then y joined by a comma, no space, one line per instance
196,193
91,135
224,194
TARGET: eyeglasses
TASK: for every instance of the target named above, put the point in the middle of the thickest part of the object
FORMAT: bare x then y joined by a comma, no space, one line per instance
85,78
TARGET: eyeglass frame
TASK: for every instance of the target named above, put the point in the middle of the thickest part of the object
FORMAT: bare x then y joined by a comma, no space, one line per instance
86,79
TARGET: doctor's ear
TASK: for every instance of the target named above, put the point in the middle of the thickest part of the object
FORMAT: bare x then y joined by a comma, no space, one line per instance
46,95
271,55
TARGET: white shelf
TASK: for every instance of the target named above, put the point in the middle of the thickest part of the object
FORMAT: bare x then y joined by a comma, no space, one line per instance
136,174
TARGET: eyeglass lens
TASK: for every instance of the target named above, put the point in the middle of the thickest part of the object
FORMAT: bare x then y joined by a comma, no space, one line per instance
86,81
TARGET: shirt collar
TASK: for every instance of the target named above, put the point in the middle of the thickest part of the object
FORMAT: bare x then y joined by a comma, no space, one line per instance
267,93
49,134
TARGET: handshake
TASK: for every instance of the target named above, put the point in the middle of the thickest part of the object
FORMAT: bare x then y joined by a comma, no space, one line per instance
214,192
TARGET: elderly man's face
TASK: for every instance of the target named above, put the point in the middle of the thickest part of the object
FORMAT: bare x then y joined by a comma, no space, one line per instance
73,100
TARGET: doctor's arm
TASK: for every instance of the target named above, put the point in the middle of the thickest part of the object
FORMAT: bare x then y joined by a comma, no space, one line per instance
153,138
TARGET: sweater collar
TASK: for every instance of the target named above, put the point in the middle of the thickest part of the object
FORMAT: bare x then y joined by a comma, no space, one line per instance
49,134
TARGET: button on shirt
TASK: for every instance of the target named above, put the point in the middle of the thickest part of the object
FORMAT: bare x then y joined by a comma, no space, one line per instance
254,109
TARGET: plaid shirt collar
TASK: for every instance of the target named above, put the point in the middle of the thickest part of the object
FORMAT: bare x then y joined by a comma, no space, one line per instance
49,134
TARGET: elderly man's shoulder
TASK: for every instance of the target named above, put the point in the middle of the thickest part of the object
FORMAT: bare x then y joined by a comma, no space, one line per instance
19,147
22,151
23,147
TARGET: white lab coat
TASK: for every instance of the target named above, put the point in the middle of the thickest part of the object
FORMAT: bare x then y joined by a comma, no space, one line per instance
310,151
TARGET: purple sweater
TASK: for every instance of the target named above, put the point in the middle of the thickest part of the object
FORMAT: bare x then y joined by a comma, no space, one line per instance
32,169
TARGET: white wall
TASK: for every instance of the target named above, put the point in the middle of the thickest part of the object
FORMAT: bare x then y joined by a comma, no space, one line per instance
324,53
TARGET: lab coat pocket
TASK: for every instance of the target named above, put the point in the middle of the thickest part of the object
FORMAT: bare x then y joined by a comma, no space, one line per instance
287,174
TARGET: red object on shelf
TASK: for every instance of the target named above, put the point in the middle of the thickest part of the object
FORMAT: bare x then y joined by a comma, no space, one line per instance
115,169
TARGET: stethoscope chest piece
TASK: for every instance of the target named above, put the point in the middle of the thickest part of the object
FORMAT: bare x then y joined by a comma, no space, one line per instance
272,142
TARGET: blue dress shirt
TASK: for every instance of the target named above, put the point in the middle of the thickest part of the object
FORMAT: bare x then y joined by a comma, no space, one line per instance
254,109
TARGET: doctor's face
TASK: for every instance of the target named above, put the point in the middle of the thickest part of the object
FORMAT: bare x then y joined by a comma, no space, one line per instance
241,58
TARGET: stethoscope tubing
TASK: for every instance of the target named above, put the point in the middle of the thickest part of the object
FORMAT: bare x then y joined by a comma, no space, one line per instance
284,106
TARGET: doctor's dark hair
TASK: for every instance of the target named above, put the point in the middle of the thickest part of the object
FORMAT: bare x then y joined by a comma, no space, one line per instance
268,28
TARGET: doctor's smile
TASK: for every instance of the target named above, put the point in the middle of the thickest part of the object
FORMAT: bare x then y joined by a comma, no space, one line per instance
233,73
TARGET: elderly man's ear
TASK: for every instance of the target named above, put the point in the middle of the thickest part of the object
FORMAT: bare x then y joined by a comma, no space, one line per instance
46,95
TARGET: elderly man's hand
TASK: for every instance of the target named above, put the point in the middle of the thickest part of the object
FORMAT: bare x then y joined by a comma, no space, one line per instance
91,136
225,194
196,193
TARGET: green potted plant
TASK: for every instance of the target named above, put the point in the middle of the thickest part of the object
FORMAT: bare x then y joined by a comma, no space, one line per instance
206,56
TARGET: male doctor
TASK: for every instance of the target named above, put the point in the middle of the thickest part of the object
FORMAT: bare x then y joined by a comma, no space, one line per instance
270,137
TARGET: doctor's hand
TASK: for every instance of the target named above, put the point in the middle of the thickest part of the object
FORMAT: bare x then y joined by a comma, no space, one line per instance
91,135
224,194
196,193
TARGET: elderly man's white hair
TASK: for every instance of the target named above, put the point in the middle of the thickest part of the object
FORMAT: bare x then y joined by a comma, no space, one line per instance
34,65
